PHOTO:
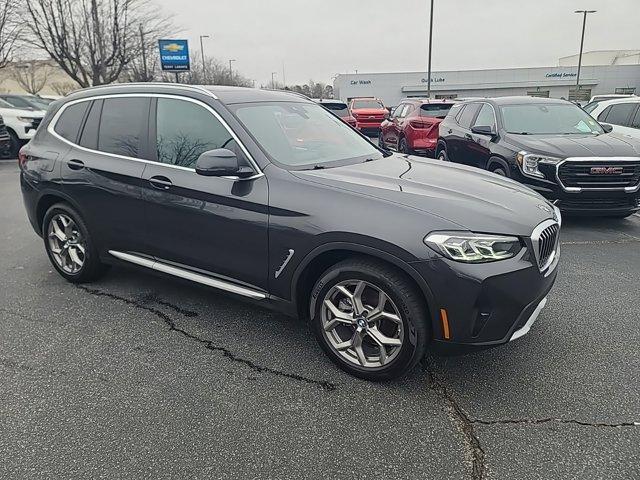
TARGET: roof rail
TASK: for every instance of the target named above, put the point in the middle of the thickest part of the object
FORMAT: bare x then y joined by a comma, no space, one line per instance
199,88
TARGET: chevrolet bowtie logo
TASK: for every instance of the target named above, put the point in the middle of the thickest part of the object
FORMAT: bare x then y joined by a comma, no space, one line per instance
173,47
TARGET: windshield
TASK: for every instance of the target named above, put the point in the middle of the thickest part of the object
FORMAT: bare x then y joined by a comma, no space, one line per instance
541,119
4,104
367,103
339,109
20,102
303,135
436,110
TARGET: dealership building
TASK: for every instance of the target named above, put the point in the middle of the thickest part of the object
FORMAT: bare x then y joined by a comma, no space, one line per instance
610,71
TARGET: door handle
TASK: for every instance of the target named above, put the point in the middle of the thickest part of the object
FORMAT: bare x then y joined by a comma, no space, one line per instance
160,182
75,164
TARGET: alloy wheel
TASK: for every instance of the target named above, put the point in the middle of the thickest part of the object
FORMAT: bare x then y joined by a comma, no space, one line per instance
362,324
66,243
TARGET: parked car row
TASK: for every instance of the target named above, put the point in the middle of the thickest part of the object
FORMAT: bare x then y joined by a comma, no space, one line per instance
21,117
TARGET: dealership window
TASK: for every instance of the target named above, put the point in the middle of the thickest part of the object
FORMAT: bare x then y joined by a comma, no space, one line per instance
123,126
538,93
69,122
620,113
626,91
185,130
579,94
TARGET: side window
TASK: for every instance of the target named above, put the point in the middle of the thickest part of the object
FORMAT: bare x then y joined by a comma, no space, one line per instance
89,136
603,114
70,121
407,110
635,123
466,117
397,113
123,126
184,130
486,117
620,112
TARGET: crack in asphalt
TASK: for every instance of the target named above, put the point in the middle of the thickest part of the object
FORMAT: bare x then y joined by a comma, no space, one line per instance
323,384
538,421
464,423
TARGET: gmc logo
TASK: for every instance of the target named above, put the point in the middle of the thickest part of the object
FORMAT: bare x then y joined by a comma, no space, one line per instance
606,170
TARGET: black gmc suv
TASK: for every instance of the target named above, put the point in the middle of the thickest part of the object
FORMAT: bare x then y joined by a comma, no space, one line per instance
550,145
268,196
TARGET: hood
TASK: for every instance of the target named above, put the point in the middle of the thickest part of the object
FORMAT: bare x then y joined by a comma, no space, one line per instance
19,112
587,145
471,198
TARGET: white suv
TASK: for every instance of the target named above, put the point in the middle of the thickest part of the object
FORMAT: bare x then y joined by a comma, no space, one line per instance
622,113
21,124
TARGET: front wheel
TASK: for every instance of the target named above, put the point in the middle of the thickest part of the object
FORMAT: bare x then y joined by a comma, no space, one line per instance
442,155
369,319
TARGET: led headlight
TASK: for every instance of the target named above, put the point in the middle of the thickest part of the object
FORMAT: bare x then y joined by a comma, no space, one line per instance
473,247
25,119
529,163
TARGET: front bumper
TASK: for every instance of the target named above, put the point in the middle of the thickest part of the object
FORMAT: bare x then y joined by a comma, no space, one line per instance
587,202
486,304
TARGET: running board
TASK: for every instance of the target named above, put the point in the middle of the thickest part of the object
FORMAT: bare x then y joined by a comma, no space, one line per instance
188,275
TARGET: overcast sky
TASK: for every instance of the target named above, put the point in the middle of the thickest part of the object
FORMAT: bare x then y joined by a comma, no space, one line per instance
319,38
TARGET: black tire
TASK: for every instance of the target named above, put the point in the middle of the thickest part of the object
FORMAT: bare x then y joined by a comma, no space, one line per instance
441,154
14,144
405,299
498,170
92,267
381,142
403,147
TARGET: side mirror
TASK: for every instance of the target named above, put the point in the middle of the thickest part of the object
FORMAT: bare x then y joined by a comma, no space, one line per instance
221,162
606,127
483,130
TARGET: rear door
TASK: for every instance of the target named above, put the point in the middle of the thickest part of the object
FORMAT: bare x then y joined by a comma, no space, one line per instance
459,135
213,225
621,116
103,169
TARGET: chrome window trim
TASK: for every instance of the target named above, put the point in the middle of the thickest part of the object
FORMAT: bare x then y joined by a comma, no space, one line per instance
54,121
535,241
632,189
197,88
155,264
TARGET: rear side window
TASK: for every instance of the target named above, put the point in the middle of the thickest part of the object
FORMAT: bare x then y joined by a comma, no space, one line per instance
70,121
185,130
603,114
619,113
89,136
466,117
635,123
123,126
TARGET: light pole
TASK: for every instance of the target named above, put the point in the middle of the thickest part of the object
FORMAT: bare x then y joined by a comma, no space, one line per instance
429,63
230,70
204,73
584,24
273,82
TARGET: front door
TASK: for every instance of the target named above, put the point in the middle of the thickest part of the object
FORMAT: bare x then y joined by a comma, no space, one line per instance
214,225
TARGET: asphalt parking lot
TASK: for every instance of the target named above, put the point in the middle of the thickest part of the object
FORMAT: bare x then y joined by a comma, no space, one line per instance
139,376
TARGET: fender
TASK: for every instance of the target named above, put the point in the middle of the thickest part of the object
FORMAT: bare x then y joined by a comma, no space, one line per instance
63,196
501,161
371,251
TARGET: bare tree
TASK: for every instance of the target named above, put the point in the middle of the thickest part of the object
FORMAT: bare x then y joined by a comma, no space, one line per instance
93,41
214,73
31,76
10,30
63,88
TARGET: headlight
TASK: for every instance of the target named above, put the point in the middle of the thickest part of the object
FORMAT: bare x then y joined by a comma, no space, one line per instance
25,119
473,247
529,163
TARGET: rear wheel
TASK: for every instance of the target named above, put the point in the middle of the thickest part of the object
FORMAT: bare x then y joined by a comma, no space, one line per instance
403,147
369,319
441,153
70,246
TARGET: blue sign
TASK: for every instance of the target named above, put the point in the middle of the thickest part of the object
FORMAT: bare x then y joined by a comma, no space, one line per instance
174,55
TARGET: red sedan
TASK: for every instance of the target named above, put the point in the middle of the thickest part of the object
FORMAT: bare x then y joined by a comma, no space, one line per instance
413,126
